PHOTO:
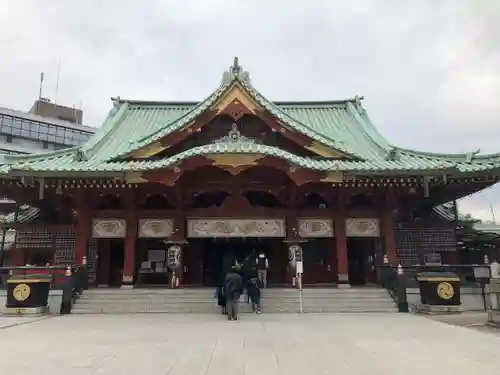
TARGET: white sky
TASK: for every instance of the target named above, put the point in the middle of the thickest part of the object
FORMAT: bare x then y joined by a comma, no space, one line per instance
429,70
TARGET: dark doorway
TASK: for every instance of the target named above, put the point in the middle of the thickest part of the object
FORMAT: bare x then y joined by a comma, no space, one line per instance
151,263
319,266
206,268
111,257
360,256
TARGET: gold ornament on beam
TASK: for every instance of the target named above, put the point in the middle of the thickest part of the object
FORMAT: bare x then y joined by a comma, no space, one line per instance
235,160
333,177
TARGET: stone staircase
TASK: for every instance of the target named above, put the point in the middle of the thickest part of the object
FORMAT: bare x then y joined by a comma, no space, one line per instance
279,300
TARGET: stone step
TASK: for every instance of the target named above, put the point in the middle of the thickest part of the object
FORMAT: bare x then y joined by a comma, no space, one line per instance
179,310
315,300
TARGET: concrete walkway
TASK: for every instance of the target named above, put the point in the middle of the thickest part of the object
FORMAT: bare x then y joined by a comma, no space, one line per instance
271,344
12,321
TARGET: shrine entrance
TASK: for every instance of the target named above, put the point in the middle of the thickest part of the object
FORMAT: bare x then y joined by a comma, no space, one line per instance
110,261
360,256
208,256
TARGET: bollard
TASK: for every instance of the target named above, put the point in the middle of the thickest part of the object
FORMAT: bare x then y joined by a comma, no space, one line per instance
67,300
85,274
401,288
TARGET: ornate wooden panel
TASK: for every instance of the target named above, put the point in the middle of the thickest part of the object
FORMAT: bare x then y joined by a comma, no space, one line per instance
34,238
315,227
410,241
108,228
356,227
92,260
65,241
406,245
155,228
223,228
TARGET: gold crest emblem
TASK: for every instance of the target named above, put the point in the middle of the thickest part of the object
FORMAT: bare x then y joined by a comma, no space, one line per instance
21,292
445,290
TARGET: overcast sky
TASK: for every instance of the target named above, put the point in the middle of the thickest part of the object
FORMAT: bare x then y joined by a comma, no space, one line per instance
429,69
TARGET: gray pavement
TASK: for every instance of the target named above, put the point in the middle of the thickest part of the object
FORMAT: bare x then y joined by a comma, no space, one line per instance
10,321
271,344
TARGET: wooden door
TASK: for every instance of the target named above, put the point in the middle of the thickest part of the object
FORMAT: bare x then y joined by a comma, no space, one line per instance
319,258
192,259
277,255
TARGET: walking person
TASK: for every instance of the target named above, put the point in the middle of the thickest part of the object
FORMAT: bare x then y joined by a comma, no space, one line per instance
262,267
254,285
233,290
220,294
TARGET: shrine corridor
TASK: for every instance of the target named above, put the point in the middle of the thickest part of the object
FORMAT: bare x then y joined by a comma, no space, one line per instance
262,345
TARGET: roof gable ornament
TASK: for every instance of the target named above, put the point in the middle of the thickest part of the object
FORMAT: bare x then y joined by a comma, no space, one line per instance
79,155
358,103
235,136
235,71
392,154
469,158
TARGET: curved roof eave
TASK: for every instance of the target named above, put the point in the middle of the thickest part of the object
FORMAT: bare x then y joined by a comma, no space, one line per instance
65,164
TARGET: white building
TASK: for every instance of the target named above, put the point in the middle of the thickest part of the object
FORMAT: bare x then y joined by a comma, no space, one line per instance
46,127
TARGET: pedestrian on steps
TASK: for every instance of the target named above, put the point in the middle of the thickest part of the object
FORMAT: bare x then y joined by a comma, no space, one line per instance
253,286
262,267
233,289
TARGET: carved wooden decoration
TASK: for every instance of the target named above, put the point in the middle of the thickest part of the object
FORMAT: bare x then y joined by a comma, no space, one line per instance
362,227
235,160
317,228
108,228
156,228
226,228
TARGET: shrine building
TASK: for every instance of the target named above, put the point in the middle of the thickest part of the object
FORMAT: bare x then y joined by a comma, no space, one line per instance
174,186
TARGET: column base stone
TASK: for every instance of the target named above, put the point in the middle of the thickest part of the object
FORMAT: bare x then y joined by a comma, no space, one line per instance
343,280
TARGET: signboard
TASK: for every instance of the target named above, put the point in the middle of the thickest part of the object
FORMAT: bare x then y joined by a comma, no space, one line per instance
299,268
174,256
432,259
297,250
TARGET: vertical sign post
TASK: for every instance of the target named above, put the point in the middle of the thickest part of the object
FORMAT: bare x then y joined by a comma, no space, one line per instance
299,270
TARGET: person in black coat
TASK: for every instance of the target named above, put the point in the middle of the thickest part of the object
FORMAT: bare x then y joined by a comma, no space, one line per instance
233,287
254,286
221,294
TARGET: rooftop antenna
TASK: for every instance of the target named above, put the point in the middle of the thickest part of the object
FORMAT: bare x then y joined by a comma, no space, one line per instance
57,80
39,93
493,214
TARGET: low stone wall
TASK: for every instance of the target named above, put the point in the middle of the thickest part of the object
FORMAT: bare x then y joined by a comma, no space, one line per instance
494,301
471,299
55,301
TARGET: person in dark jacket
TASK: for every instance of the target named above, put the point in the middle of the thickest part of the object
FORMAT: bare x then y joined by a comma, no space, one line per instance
220,294
254,286
233,290
262,267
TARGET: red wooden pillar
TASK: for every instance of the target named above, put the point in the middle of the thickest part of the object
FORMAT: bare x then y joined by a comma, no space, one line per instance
387,226
17,256
341,241
131,218
341,237
83,227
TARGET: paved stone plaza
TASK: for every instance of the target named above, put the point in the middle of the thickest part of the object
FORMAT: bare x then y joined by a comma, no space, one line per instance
268,344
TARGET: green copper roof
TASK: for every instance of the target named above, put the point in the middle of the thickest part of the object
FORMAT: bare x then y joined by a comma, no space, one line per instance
65,162
341,125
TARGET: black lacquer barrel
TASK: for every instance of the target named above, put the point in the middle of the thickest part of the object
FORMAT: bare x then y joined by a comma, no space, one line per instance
439,288
25,291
